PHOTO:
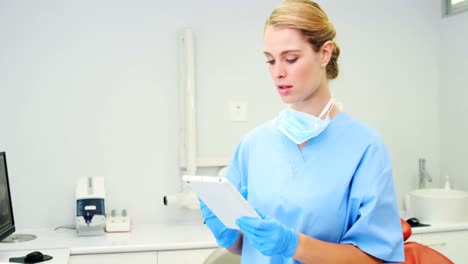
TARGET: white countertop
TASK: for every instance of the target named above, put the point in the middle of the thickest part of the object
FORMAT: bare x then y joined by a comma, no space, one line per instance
439,228
65,242
140,238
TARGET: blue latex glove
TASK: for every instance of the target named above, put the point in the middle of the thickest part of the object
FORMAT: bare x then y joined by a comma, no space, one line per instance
225,237
269,236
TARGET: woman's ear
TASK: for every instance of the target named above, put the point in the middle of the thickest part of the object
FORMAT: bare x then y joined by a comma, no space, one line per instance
326,51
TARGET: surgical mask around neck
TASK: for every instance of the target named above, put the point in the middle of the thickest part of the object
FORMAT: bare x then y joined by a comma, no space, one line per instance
299,126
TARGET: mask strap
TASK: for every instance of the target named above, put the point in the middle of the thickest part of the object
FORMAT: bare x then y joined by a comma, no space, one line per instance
327,107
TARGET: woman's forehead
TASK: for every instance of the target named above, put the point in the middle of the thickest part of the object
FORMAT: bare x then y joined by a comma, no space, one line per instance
278,40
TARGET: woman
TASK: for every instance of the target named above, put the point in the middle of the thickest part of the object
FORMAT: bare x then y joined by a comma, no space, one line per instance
321,180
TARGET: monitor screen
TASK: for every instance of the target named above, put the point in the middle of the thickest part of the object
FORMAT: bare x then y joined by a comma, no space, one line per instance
7,222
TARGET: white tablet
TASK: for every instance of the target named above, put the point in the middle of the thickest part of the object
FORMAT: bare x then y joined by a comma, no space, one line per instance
221,197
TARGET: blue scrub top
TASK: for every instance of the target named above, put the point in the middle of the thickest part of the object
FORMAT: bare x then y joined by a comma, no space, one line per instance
338,188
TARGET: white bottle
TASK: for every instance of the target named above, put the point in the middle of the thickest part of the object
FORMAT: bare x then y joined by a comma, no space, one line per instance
447,185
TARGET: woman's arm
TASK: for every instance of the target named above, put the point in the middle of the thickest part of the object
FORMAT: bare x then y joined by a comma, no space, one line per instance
311,250
236,248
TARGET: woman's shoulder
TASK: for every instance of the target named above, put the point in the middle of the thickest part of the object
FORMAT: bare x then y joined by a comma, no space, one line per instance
255,139
351,127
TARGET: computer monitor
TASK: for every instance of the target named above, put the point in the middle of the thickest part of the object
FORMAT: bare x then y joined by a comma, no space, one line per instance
7,221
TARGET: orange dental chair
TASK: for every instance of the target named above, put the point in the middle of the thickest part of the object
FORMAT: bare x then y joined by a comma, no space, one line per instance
416,253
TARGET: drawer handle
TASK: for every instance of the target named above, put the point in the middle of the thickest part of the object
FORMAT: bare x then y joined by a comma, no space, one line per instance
437,244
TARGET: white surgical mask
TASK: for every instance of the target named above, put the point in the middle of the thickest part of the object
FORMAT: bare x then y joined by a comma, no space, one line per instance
299,126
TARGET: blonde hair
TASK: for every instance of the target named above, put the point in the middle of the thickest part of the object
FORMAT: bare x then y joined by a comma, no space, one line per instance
309,18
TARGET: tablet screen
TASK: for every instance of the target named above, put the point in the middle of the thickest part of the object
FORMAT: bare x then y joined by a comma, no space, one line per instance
221,197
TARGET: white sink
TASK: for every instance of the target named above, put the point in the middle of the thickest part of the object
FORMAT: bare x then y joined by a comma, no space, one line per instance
438,206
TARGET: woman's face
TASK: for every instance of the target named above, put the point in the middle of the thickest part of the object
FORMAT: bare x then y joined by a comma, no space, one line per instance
297,70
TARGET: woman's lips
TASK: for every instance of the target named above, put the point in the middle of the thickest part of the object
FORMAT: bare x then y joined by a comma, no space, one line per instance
284,89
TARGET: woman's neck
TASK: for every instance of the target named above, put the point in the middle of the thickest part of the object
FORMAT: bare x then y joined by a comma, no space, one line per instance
316,102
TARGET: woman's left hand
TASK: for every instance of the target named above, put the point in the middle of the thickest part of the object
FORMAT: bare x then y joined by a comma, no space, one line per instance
269,236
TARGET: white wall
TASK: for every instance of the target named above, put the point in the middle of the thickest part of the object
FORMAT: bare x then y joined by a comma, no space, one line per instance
88,88
390,78
454,95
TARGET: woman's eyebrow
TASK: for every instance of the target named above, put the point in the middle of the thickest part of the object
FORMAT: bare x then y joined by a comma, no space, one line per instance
282,53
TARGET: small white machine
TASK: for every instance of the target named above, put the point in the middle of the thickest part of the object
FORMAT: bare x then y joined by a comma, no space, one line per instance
118,222
90,206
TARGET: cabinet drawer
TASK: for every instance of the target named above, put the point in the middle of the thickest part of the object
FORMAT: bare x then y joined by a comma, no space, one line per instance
193,256
448,243
115,258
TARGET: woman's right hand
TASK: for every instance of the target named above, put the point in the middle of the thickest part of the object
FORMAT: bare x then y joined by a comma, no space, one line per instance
225,237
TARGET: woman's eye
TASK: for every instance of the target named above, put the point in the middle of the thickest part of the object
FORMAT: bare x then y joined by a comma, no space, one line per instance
271,62
291,60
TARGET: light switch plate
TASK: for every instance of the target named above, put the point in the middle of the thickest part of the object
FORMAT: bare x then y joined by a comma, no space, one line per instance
238,111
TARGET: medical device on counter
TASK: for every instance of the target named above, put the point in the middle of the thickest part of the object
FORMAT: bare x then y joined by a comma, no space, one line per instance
90,206
118,221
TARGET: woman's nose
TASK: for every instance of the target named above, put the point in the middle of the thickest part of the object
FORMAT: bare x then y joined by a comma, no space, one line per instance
278,71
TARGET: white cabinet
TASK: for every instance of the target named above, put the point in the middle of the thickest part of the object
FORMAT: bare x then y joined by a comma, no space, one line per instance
115,258
449,243
193,256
